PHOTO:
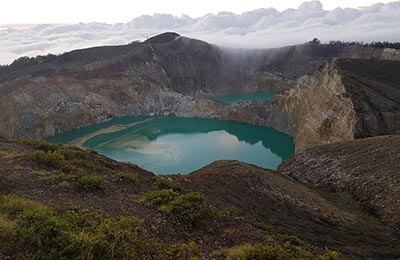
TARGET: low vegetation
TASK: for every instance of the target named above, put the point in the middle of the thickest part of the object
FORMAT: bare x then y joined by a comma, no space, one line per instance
73,163
184,251
276,251
189,208
128,177
280,247
31,230
43,233
161,182
46,234
81,180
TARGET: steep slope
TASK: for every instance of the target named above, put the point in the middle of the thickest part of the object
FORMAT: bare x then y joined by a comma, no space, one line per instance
238,204
367,169
347,99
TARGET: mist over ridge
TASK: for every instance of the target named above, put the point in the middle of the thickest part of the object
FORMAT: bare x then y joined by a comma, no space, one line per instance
261,28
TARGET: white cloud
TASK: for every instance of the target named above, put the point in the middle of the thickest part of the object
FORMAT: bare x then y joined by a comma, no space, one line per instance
261,28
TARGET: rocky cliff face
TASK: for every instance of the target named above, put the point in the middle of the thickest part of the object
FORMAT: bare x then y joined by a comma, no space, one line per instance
47,106
347,99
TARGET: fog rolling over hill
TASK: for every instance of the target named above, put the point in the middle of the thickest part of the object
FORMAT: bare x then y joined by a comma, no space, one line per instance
165,75
261,28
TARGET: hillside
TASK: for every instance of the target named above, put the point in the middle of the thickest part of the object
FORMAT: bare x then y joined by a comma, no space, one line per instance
367,170
59,202
166,75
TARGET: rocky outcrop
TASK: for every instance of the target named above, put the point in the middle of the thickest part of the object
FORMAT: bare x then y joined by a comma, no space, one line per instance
367,170
347,99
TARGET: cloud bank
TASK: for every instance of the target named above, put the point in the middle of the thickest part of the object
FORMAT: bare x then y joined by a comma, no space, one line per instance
261,28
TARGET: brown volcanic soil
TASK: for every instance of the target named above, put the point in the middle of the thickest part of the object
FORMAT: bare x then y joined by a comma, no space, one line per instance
34,180
375,92
367,169
321,218
324,219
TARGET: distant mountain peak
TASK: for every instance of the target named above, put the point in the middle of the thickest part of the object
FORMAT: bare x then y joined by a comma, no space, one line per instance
163,38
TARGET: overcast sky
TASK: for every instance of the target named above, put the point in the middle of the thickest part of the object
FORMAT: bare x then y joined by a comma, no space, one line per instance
112,11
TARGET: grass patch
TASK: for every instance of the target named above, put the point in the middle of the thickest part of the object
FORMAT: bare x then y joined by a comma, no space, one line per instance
128,177
276,251
161,182
7,229
189,208
231,213
81,180
43,149
50,158
74,163
47,234
262,225
41,145
88,182
184,251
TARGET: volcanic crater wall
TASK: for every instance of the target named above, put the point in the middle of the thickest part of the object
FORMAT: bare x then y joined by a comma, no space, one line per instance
345,100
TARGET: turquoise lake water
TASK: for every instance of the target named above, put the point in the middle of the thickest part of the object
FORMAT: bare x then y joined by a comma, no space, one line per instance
167,145
260,97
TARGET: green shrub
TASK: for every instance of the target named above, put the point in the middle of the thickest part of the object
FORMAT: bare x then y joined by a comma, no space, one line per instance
71,172
231,213
76,234
41,145
88,182
185,251
260,224
82,180
276,251
7,229
160,198
72,152
14,205
128,177
292,240
163,183
50,158
86,164
76,153
2,138
189,208
72,169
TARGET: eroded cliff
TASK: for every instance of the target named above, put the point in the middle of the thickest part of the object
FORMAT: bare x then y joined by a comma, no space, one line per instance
346,99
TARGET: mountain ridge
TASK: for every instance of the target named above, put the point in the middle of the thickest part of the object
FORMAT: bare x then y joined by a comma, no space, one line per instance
92,85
